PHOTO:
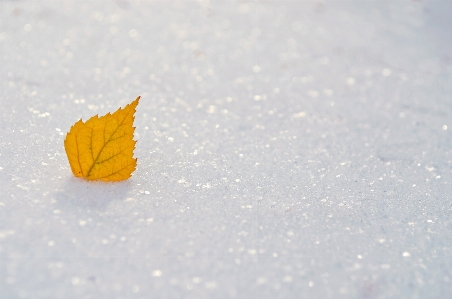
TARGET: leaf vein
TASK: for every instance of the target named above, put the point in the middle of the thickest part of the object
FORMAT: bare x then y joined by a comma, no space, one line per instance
105,143
115,172
78,155
109,158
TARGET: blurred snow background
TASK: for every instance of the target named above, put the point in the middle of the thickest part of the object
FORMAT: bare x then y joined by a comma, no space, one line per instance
286,149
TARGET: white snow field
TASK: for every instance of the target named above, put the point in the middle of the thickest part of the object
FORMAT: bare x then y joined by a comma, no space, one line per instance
286,149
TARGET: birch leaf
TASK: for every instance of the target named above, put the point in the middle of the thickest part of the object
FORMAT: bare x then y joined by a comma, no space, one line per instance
102,147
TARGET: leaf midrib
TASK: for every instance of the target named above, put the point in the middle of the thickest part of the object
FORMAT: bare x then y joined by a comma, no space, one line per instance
105,143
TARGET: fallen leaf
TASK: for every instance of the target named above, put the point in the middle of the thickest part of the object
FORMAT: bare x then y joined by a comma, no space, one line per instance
102,147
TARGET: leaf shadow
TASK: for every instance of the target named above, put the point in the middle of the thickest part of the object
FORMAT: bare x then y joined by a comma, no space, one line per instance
80,194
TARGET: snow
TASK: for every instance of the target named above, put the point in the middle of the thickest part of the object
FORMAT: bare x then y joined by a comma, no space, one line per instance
286,149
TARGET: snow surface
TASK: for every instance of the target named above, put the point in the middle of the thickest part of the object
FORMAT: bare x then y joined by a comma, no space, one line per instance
286,149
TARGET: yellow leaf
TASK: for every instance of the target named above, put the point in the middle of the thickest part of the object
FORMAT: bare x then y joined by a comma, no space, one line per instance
102,147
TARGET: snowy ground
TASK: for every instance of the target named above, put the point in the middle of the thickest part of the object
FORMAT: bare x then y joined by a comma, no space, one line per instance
286,149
